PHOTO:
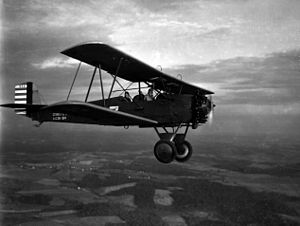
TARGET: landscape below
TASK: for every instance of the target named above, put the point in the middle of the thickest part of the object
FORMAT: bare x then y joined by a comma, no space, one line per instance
226,182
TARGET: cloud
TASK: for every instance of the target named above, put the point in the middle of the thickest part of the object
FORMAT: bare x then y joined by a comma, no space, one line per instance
284,109
157,32
194,38
252,81
198,32
56,62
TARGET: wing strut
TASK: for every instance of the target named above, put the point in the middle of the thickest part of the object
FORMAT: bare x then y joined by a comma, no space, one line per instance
139,88
88,92
118,83
101,83
115,77
127,88
74,80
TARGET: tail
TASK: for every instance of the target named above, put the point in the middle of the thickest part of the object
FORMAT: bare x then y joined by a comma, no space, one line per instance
27,99
26,93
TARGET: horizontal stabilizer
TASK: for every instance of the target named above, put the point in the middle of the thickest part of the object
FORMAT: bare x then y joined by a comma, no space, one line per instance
24,109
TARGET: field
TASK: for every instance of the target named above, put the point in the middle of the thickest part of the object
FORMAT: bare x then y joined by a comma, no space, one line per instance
228,181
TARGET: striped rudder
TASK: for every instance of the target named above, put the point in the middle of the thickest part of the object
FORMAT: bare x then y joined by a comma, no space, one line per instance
25,93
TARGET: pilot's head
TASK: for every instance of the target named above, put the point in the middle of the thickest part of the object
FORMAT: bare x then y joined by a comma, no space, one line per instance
127,95
150,92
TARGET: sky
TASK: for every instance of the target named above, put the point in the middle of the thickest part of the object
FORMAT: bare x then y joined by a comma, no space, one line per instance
246,51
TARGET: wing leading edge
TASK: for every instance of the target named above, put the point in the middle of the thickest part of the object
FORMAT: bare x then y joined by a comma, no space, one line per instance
131,69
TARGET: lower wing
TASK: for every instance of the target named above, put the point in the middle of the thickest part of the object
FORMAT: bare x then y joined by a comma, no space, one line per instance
82,112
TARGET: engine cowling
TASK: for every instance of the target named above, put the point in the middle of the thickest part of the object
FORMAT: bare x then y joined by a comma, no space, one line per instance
200,110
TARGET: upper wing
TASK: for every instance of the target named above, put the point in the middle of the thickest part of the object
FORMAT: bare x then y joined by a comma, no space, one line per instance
98,114
131,69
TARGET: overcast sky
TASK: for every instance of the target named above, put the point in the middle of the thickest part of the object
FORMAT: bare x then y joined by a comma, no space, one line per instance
246,51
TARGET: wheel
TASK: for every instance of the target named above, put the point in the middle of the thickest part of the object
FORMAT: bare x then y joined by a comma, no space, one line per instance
184,151
164,151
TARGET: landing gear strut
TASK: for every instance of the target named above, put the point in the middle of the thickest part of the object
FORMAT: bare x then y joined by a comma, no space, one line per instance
172,145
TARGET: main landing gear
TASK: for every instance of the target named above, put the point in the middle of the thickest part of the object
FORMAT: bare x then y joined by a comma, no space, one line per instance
172,146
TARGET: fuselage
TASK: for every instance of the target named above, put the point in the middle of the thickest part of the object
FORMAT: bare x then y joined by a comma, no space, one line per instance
167,110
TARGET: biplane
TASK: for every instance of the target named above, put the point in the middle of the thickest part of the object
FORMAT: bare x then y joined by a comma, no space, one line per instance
171,106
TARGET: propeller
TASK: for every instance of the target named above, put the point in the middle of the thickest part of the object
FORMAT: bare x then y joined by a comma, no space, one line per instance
211,112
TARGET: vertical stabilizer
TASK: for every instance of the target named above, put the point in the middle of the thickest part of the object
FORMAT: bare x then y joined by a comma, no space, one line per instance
25,93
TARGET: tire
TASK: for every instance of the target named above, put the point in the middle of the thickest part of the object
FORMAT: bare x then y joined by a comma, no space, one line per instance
184,151
164,151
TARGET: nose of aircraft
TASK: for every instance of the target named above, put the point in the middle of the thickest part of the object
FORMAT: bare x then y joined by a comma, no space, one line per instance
211,111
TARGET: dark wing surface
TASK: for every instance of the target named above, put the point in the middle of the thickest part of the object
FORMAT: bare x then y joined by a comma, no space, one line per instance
131,69
98,114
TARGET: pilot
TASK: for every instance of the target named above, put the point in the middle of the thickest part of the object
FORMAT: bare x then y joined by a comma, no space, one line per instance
127,97
149,96
139,97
